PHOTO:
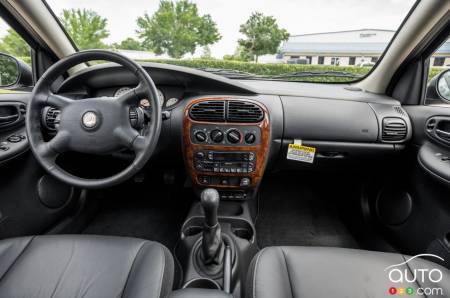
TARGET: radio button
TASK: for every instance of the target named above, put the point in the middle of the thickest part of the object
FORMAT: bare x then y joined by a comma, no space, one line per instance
199,155
244,182
210,155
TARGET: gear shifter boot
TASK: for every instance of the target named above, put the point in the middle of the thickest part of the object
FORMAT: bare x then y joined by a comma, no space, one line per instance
212,244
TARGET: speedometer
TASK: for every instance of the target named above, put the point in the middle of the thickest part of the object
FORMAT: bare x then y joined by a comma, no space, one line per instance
145,103
121,91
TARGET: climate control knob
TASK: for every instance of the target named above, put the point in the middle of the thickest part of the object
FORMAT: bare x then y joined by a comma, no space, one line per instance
200,136
250,138
216,136
233,136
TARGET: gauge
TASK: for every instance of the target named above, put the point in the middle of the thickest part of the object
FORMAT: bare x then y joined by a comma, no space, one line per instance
171,101
121,91
160,97
144,103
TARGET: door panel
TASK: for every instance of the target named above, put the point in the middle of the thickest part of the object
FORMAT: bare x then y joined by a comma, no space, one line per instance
25,206
13,141
427,229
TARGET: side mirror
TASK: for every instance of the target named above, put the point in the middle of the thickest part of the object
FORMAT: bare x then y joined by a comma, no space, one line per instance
14,72
443,85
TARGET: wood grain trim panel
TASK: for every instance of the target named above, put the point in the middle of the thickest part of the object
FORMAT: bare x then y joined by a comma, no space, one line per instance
260,149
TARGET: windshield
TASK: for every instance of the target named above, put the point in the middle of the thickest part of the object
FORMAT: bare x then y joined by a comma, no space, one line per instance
304,40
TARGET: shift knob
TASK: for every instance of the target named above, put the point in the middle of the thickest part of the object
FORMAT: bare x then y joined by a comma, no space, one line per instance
210,200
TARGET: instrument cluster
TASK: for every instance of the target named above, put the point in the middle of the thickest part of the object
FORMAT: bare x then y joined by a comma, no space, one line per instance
145,103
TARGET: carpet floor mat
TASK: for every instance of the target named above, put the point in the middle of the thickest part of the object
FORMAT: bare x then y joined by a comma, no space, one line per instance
294,211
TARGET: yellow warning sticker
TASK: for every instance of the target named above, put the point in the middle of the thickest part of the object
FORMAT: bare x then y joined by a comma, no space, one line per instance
301,153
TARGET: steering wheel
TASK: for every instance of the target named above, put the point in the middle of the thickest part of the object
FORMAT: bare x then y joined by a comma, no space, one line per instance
98,125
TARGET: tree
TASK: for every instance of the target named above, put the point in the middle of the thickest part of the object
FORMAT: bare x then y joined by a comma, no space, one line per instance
240,54
128,44
176,29
263,36
13,44
86,27
206,54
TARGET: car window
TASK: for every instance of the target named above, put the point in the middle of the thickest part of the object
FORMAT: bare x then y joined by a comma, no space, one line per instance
13,45
322,41
438,83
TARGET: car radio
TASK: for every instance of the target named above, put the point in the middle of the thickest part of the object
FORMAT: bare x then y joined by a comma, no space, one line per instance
226,141
224,162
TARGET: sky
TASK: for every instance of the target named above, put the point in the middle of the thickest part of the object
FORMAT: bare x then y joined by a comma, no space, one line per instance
297,16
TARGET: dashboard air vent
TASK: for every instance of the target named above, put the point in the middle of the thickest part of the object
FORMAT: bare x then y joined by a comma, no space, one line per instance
242,111
52,118
394,129
208,111
399,110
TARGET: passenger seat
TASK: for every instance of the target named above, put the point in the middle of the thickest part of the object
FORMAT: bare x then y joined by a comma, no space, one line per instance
312,272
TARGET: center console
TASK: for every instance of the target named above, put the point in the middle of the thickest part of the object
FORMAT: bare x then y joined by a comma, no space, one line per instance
226,141
226,146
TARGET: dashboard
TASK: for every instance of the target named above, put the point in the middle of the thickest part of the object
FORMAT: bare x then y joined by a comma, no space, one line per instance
343,124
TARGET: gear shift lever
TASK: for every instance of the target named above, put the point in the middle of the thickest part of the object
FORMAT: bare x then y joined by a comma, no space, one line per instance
212,244
210,204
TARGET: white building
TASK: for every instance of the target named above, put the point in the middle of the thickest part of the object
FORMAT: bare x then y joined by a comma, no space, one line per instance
353,47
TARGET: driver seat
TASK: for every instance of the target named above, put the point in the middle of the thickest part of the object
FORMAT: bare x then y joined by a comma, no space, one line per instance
84,266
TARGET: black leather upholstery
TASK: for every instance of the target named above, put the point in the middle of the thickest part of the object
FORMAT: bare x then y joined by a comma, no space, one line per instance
84,266
311,272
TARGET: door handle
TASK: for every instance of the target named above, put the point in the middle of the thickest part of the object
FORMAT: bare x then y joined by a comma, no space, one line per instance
10,118
443,134
11,114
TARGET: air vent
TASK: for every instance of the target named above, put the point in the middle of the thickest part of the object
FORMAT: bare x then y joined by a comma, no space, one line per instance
394,129
399,110
52,118
242,111
208,111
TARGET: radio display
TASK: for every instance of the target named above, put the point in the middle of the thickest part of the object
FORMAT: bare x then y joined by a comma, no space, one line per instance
230,156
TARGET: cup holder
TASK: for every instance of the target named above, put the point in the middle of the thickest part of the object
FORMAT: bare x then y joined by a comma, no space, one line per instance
202,283
243,233
239,227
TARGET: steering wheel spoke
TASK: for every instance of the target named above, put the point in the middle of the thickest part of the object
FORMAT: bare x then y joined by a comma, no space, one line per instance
58,101
52,149
139,144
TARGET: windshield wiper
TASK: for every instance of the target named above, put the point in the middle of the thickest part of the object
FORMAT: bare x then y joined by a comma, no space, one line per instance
308,74
231,73
237,74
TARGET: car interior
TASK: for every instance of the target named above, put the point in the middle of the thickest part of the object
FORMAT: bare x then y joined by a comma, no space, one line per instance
221,187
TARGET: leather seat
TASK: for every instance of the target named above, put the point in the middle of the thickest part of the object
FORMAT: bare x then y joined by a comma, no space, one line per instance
304,272
84,266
